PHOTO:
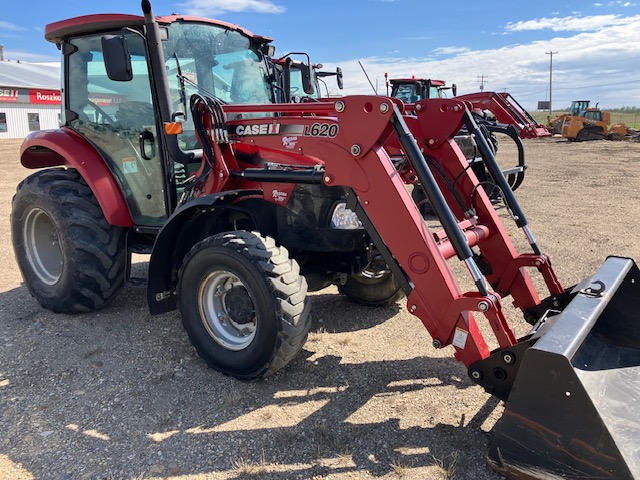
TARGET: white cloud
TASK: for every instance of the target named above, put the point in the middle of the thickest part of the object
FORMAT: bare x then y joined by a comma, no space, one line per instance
572,23
10,27
450,50
204,8
617,3
585,66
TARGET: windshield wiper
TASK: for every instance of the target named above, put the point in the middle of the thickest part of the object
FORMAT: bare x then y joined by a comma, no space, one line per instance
184,80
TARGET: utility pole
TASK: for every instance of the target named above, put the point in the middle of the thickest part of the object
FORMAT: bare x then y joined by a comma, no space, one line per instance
551,54
482,82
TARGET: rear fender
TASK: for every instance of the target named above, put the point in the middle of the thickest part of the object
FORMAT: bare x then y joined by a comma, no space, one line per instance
64,147
189,224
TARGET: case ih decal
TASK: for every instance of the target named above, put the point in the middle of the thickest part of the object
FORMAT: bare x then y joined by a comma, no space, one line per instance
256,129
324,130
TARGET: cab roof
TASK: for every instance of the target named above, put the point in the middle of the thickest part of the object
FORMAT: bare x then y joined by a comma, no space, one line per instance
58,32
437,83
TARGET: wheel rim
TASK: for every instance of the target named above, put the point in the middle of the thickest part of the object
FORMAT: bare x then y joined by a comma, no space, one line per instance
42,245
375,269
227,310
371,274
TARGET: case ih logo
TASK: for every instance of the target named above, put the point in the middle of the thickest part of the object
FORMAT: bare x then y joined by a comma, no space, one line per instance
261,129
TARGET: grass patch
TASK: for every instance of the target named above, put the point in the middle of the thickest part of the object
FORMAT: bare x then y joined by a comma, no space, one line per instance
447,465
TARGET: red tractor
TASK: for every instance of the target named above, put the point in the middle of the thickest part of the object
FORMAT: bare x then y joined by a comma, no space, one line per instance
507,110
299,81
412,90
502,106
163,150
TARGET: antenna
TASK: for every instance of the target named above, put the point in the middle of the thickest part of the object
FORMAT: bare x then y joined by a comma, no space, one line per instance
368,79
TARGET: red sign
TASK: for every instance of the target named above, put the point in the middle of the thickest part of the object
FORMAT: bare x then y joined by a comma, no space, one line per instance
49,97
8,95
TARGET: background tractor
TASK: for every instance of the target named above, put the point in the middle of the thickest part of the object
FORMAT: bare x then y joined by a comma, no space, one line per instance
412,90
577,106
590,123
163,150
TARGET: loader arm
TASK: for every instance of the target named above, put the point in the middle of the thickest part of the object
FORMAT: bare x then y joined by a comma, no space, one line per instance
348,135
570,384
507,110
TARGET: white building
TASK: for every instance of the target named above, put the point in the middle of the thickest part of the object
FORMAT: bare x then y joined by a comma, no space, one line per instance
29,97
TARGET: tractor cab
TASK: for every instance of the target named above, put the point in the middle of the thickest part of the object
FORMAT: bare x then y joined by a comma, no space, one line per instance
412,90
578,106
121,107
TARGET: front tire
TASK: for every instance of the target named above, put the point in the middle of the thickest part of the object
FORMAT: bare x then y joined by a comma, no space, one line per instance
72,260
244,304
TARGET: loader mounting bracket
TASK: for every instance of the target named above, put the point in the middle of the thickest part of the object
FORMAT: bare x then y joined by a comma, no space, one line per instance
497,373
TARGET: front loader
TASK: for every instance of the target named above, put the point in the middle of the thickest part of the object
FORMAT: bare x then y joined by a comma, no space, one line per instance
570,385
507,110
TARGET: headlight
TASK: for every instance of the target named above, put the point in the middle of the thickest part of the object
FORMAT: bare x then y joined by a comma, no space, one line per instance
345,219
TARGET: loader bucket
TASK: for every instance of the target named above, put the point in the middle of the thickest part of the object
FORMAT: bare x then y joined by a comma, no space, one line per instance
574,409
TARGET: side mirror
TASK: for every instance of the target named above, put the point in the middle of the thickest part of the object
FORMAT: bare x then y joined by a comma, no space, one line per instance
268,50
454,89
307,85
339,78
117,60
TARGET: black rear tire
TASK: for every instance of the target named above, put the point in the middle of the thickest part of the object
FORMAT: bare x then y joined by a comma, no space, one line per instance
379,290
244,304
72,260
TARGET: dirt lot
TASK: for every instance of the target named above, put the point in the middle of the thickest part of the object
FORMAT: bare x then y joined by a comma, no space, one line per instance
121,394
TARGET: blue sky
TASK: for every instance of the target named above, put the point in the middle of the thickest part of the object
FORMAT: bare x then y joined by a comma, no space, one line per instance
597,42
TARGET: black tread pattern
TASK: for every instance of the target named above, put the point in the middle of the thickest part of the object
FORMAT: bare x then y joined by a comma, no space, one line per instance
94,250
288,288
379,292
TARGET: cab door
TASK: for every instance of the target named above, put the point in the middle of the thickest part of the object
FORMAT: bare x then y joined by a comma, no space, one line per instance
119,119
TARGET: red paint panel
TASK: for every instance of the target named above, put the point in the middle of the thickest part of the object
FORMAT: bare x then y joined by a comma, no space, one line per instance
50,148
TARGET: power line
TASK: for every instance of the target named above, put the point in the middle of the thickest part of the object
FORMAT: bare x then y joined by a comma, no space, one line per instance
599,85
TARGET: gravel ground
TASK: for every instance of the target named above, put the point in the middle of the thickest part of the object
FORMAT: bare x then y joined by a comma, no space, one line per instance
120,394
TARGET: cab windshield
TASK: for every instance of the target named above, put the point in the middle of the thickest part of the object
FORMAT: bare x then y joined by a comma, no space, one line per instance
410,93
217,62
